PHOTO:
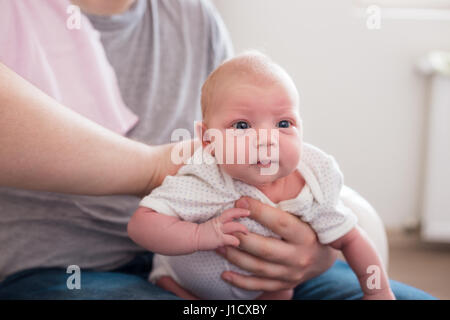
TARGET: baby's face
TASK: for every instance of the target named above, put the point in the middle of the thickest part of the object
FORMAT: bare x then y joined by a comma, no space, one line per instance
257,112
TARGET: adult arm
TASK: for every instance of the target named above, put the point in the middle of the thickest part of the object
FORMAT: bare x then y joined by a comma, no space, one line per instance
46,146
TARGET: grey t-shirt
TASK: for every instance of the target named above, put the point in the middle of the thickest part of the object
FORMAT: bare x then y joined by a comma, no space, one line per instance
162,51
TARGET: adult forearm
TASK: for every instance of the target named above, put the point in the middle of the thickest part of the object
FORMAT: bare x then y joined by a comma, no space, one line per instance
46,146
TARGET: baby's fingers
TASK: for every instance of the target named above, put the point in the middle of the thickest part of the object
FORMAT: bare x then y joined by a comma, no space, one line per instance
230,240
233,213
232,227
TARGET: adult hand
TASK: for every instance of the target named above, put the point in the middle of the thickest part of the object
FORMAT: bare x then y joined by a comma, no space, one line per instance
167,159
276,264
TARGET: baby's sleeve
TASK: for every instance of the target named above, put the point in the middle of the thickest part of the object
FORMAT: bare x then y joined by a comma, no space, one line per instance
196,194
330,218
331,224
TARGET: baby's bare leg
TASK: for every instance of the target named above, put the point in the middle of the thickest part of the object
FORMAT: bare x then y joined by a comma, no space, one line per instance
167,283
277,295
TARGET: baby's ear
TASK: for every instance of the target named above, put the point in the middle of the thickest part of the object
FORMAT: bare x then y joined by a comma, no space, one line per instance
200,129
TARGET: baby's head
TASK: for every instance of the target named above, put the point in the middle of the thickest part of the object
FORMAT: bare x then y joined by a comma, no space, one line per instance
250,96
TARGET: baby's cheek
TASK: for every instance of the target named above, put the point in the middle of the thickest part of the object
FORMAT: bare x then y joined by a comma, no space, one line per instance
227,150
290,152
236,171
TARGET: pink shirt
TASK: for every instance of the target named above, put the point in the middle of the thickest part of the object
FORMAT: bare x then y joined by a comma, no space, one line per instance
68,65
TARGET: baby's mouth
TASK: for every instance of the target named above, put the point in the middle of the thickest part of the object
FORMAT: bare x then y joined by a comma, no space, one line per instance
264,163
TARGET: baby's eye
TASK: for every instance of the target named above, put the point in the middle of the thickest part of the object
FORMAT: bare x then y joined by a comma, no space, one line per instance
241,125
284,124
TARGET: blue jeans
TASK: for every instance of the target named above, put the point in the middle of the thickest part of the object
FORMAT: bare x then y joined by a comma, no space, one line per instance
130,282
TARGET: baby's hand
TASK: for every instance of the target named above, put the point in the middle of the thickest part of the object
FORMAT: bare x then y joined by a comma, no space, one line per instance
217,232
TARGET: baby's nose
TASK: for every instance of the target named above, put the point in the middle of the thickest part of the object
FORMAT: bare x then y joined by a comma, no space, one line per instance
266,138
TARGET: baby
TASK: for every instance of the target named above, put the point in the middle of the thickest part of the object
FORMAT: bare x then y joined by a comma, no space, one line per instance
251,99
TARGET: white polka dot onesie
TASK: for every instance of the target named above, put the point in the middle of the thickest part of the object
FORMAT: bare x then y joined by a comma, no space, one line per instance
199,192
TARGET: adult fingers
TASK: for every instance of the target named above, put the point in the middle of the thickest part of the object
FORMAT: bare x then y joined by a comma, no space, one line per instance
270,249
286,225
259,267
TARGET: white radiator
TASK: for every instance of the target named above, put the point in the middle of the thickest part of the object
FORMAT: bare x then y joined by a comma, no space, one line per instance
435,224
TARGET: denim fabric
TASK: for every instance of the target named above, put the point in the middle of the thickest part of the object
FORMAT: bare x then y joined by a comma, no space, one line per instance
340,283
130,282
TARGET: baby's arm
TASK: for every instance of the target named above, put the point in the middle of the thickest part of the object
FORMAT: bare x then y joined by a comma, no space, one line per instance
169,235
360,255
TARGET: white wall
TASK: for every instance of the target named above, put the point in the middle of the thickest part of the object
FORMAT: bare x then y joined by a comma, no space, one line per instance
362,100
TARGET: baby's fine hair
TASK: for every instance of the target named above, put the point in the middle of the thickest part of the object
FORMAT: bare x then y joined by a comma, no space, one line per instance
250,65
